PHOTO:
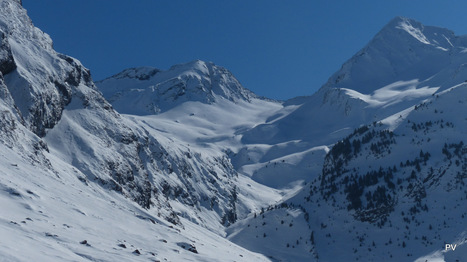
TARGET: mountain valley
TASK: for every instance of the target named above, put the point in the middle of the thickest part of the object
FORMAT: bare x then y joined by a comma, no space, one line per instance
186,164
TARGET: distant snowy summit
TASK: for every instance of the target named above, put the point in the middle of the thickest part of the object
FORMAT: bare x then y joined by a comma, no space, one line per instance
147,90
404,50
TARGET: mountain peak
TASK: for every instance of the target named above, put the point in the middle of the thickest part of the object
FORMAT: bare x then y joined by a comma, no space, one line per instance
400,20
412,29
410,26
404,50
192,65
147,90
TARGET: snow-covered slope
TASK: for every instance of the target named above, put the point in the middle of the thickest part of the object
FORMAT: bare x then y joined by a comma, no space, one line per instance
54,214
392,191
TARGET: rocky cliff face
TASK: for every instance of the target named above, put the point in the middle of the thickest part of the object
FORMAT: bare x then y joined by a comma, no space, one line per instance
41,81
7,63
53,96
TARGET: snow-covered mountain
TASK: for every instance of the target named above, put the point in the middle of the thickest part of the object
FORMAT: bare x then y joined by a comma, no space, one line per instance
402,66
392,191
186,164
393,187
65,150
146,90
199,110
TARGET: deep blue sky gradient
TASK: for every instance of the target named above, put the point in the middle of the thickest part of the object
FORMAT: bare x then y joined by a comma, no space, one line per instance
278,49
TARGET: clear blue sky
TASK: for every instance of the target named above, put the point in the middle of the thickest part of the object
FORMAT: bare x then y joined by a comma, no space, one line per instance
278,49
